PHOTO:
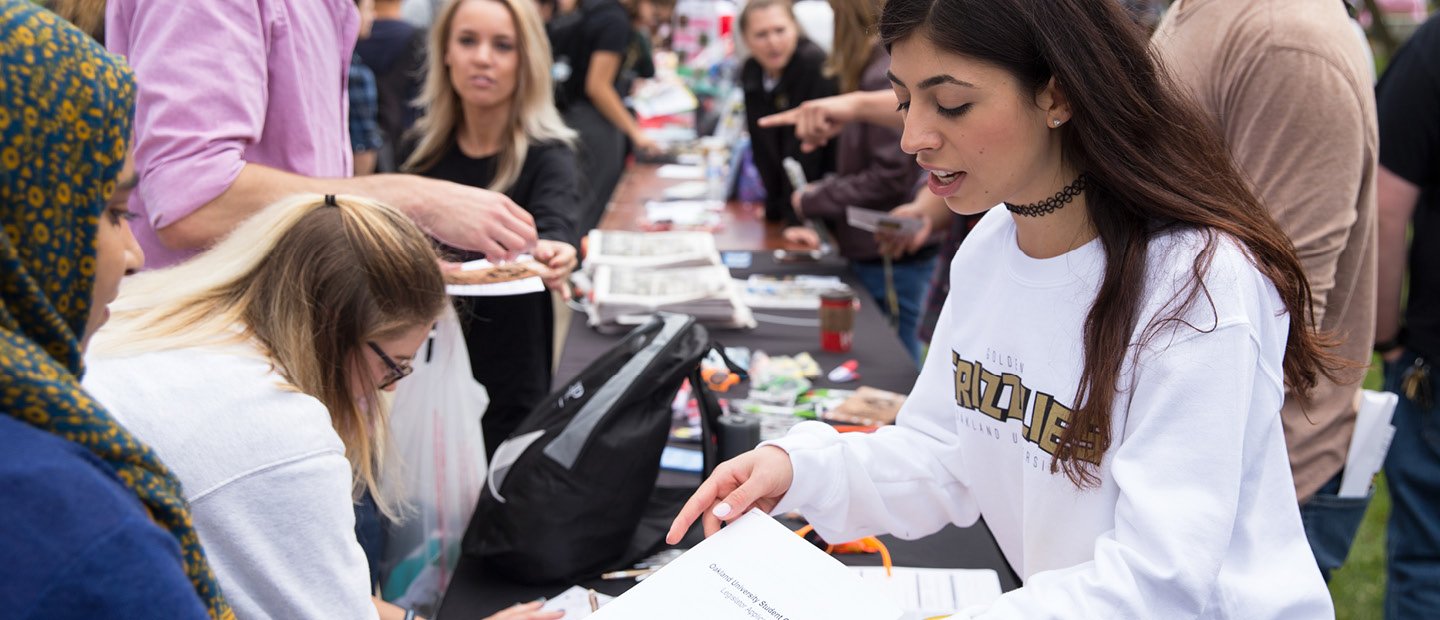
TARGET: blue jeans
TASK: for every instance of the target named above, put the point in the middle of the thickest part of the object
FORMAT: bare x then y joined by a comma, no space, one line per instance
912,281
1412,470
1330,524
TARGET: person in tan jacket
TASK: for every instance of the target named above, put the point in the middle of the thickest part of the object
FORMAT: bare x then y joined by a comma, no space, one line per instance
1288,86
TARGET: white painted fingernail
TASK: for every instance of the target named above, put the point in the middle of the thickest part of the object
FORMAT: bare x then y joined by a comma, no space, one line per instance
721,511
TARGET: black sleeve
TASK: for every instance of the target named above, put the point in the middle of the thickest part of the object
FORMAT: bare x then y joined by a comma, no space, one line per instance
811,83
644,55
608,30
767,146
548,188
1408,105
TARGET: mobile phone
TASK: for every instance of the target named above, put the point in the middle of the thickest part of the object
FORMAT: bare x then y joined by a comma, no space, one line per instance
797,256
795,172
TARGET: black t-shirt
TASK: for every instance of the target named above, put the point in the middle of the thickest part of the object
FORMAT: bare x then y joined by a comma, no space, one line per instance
1408,104
801,80
548,187
395,51
510,338
595,26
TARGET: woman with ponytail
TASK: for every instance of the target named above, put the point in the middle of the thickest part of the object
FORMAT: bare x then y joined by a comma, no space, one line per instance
255,370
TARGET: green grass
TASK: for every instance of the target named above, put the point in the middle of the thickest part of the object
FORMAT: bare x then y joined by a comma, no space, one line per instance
1359,586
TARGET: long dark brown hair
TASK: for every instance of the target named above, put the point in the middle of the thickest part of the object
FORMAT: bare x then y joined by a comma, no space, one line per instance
1154,166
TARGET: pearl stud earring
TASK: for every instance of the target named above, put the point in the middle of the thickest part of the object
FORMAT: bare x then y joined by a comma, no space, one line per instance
1055,123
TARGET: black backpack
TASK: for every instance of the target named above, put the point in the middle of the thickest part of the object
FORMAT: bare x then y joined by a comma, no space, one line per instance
567,491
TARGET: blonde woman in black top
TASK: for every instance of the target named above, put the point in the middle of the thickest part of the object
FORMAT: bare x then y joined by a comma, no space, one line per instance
491,122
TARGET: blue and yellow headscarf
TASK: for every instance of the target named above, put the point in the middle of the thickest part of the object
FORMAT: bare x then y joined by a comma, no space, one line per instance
65,109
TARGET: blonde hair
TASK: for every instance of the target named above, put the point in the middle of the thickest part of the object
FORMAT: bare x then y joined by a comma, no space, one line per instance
87,15
532,117
854,41
310,284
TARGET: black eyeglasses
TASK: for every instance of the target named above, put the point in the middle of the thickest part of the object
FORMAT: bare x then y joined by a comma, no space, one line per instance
397,372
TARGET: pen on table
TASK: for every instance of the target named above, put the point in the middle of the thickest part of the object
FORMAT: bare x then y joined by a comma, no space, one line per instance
626,574
594,601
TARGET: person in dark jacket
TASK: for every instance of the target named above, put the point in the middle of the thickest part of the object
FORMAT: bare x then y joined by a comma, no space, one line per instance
784,70
872,172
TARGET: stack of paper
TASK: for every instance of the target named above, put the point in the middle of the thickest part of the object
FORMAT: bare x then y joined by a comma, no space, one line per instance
650,249
637,274
800,292
927,592
628,296
753,568
693,215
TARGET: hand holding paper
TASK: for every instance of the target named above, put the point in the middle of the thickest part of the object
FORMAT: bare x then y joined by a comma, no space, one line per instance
895,244
758,479
558,261
754,568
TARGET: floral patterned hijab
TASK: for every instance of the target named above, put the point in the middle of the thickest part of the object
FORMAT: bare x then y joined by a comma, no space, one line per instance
65,110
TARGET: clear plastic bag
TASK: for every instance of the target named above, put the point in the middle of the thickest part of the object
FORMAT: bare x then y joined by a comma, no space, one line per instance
439,462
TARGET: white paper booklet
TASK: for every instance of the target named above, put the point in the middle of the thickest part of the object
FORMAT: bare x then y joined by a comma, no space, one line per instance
655,249
706,293
685,213
1370,443
928,592
753,569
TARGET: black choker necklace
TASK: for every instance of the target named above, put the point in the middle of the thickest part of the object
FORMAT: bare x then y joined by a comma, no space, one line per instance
1049,205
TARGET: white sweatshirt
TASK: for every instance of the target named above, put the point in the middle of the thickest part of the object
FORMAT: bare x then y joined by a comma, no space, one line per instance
1195,515
264,470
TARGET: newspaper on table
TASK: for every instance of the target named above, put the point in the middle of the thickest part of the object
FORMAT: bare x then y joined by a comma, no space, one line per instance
799,292
651,249
688,214
629,295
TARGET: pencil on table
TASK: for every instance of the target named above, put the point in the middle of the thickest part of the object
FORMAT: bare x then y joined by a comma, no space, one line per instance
625,574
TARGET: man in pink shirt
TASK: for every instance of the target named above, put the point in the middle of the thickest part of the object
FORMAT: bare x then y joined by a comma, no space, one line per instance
243,102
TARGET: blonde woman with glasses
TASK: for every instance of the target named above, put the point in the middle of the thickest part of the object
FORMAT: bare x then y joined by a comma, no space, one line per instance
491,122
254,371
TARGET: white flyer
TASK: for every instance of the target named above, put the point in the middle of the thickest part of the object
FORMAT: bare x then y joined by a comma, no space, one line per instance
876,221
754,569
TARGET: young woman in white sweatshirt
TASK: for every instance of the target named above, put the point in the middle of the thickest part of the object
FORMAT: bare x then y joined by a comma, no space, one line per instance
1105,382
254,371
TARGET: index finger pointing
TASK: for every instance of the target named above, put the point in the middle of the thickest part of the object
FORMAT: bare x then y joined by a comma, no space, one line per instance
697,505
780,119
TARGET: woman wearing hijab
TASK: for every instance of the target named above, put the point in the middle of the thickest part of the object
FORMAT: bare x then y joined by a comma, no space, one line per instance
94,525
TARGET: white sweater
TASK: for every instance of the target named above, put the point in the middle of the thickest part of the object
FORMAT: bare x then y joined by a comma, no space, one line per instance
1195,515
264,470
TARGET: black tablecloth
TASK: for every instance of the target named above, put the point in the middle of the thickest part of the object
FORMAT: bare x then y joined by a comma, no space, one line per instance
883,363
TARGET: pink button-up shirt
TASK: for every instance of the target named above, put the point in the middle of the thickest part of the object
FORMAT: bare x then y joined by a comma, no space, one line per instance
223,83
